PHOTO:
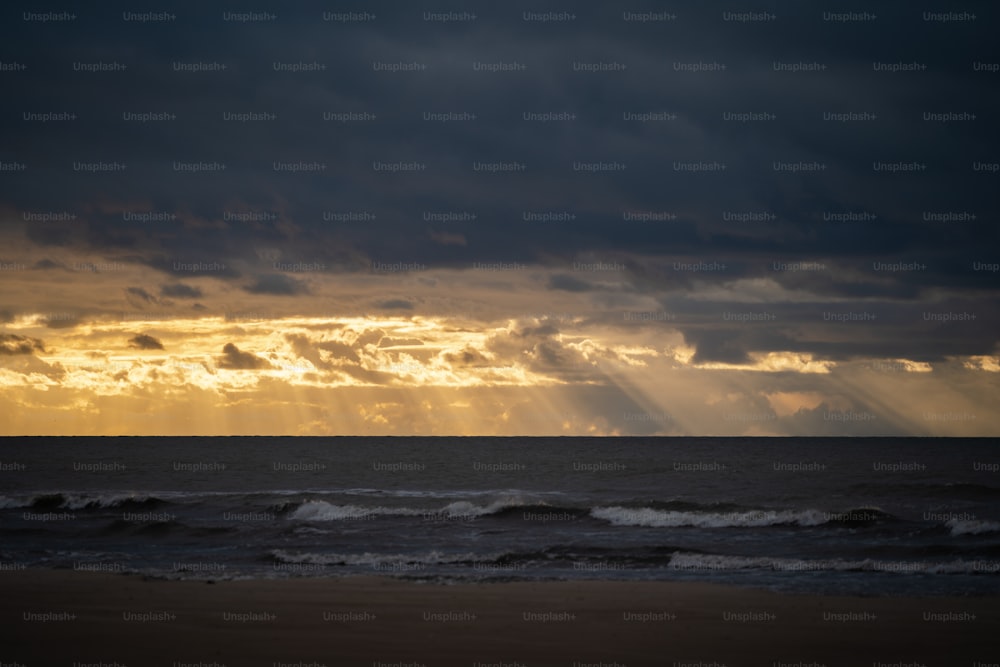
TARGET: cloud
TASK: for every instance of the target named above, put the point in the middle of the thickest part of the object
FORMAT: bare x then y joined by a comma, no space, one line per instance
180,291
60,320
388,341
395,304
719,345
339,351
44,264
139,296
235,359
339,355
448,238
468,357
11,344
541,349
49,235
561,281
277,284
145,342
695,245
141,293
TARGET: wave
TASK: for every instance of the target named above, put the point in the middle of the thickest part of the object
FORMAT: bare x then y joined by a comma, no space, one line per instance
653,513
972,527
7,502
716,562
607,562
321,510
318,506
659,518
416,493
79,501
379,560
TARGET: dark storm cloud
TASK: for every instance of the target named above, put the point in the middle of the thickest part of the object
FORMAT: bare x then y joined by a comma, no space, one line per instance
728,331
220,230
195,262
649,149
49,236
561,281
180,291
448,238
11,344
720,345
145,342
235,359
277,284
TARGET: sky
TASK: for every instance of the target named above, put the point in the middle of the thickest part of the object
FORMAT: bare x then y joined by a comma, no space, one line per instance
515,218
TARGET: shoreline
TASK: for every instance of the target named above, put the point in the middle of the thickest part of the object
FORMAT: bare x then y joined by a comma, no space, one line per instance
448,580
62,617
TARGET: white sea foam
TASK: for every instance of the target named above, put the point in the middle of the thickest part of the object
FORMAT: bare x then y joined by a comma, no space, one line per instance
7,502
79,501
654,518
320,510
972,527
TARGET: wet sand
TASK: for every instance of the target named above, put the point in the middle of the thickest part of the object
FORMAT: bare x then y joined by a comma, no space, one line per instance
65,617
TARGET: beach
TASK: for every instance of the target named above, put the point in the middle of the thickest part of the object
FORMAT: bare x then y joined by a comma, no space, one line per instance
374,552
66,617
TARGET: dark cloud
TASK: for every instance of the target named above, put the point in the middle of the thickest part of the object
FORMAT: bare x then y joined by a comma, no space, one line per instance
11,344
541,350
718,345
61,320
561,281
190,260
235,359
340,351
305,348
139,294
828,420
468,357
278,285
50,236
44,264
145,342
395,304
180,291
338,354
448,238
550,214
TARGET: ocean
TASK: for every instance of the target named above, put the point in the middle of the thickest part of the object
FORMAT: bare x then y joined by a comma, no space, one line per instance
852,516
